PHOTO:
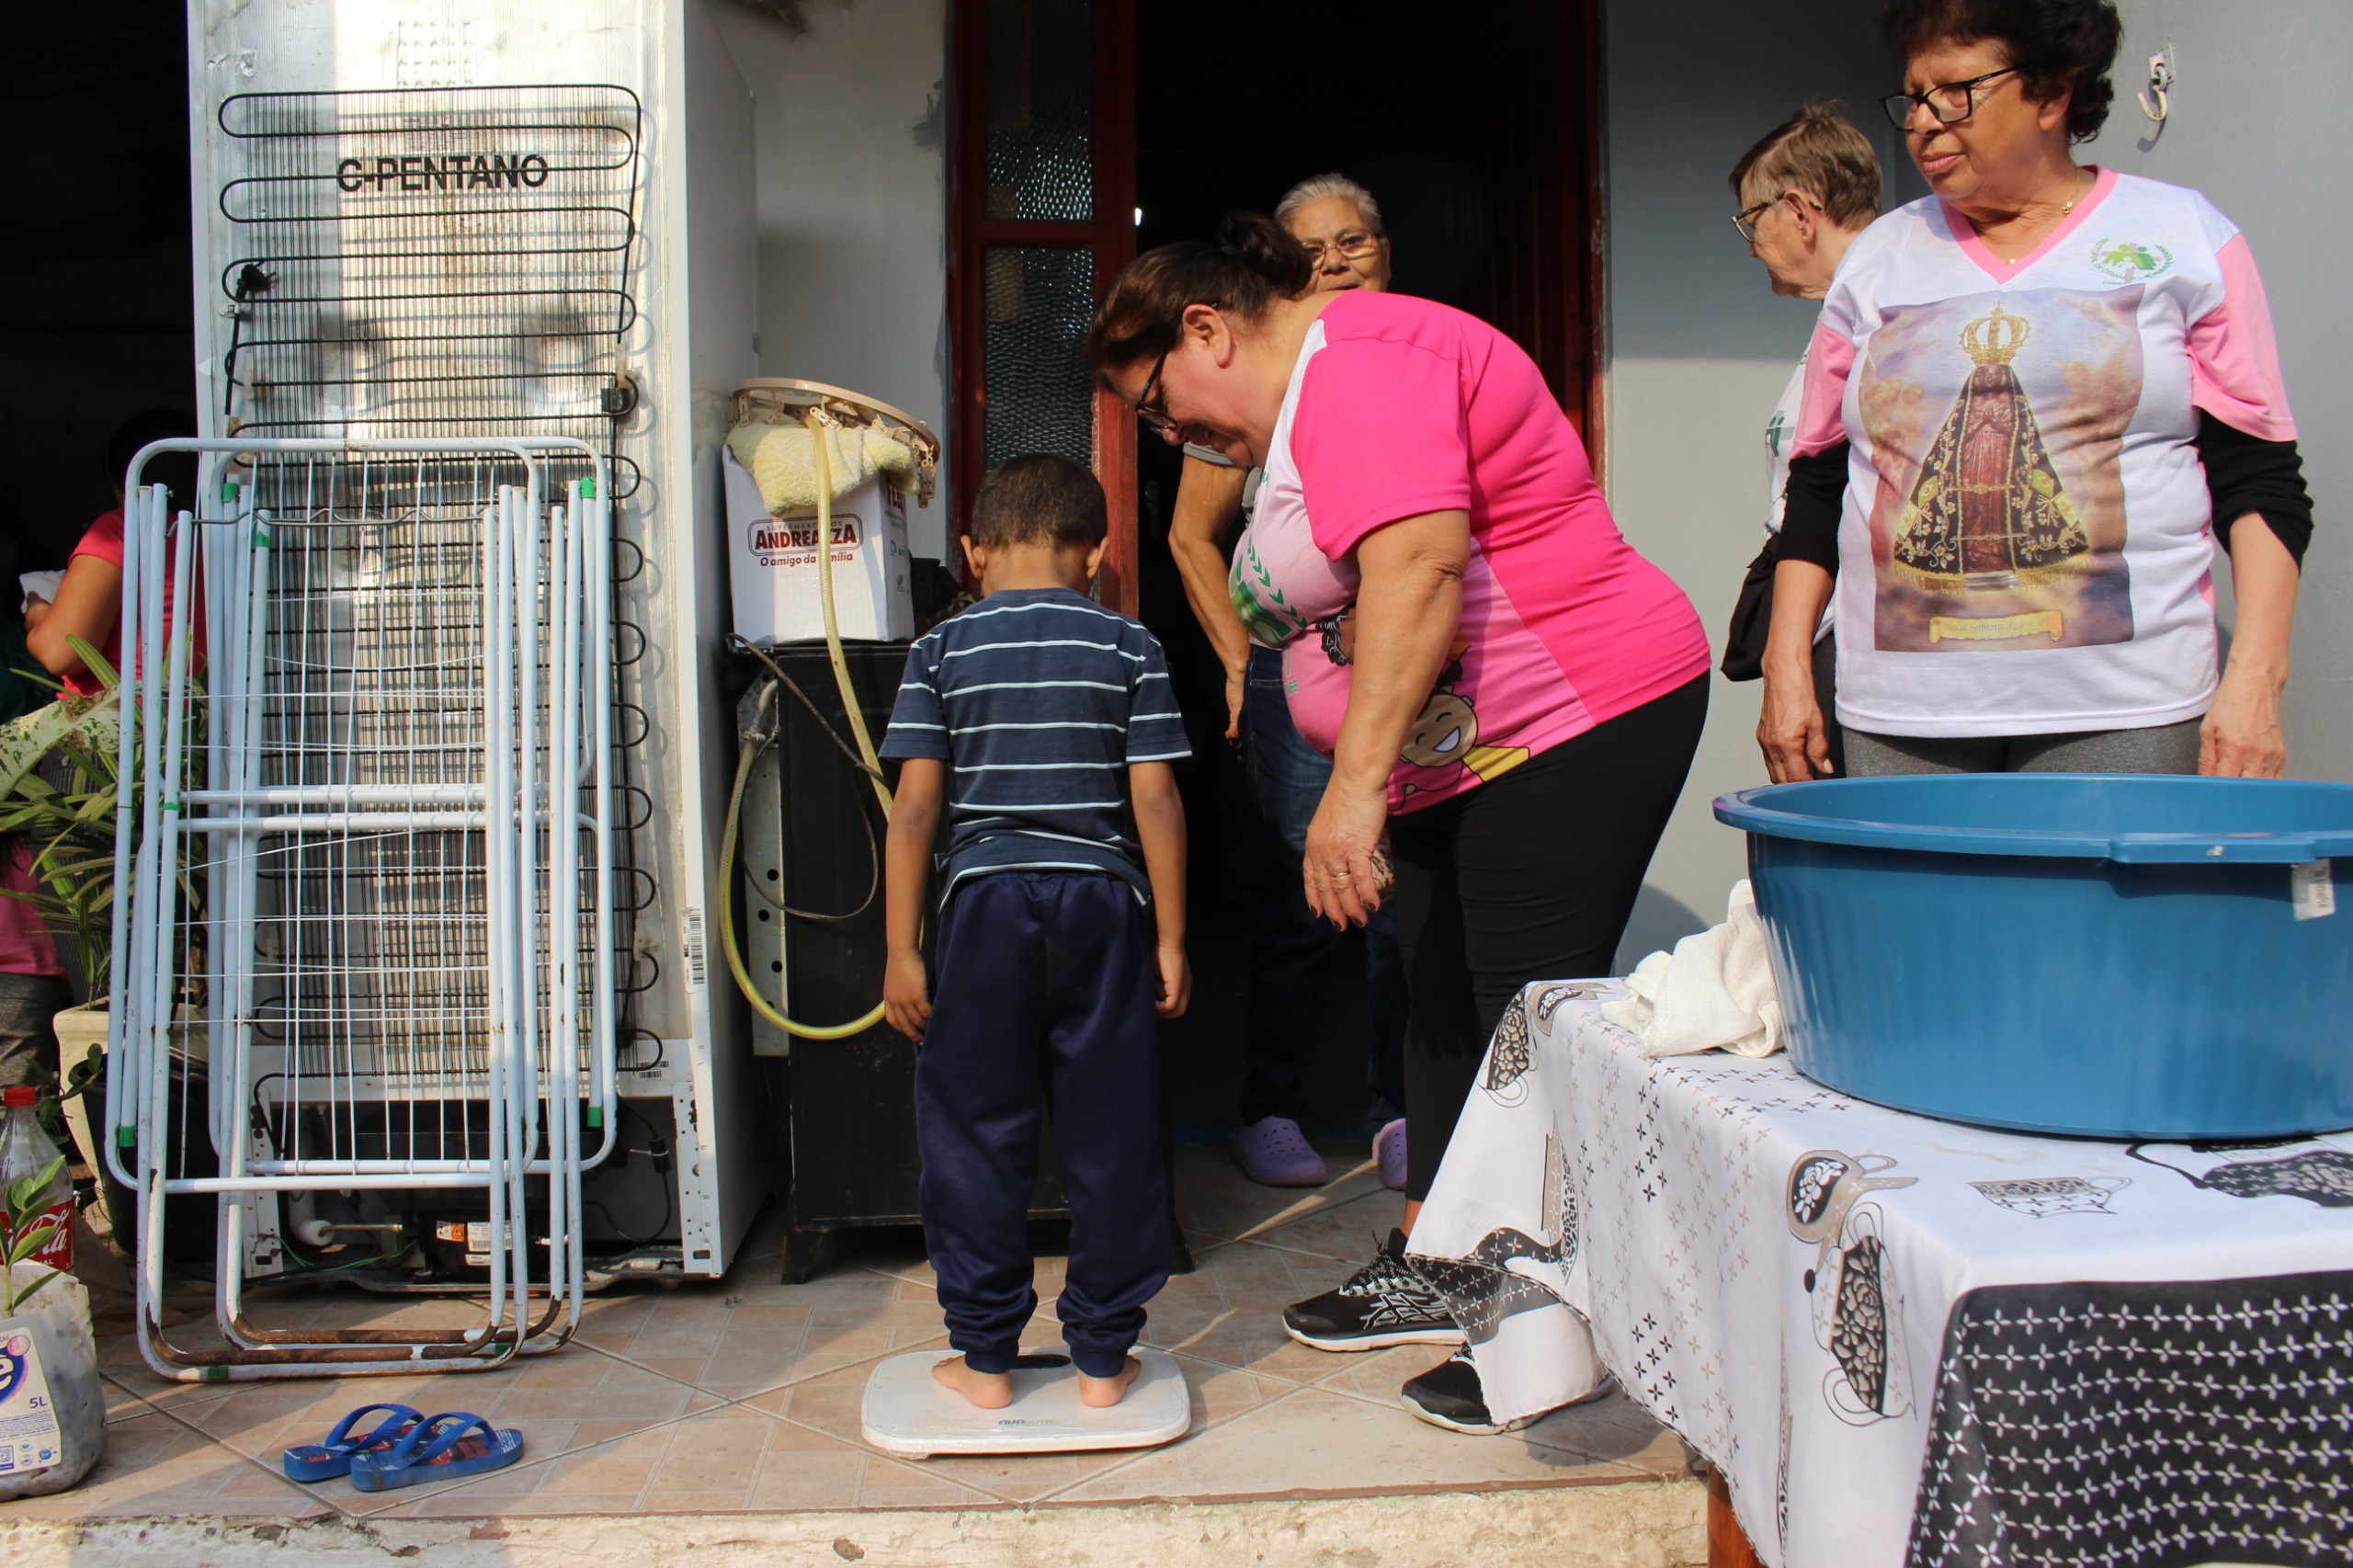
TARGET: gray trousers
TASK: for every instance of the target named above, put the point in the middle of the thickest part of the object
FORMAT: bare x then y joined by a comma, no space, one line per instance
28,1001
2165,748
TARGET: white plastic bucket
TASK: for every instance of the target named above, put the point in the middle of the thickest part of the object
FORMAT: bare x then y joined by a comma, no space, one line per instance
52,1407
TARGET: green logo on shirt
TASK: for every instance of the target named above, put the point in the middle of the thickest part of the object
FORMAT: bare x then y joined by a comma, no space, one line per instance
1774,432
2129,261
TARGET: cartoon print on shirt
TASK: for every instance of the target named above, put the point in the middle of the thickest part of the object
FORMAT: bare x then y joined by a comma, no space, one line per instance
1445,741
1999,523
1445,736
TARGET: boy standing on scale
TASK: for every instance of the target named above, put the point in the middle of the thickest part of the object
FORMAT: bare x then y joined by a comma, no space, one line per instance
1046,723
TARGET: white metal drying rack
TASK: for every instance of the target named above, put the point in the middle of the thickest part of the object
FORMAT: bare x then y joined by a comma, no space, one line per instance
380,930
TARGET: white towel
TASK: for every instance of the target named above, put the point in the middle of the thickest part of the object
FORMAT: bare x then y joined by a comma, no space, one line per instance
783,459
1716,992
42,586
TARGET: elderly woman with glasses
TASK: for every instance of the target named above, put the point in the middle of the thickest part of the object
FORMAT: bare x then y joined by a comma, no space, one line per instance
1337,225
1510,694
1806,190
2037,400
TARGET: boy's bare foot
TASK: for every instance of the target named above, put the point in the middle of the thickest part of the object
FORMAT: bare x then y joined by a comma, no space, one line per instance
986,1391
1099,1394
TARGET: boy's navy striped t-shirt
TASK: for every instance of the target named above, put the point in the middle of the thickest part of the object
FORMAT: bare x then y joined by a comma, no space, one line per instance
1039,700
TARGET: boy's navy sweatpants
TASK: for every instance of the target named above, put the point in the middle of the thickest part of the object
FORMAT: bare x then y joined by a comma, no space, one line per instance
1043,991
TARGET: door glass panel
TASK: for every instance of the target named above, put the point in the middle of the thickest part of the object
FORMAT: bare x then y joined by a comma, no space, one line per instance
1041,89
1037,392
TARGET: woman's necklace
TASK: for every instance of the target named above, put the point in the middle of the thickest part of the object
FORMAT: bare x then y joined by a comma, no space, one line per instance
2064,211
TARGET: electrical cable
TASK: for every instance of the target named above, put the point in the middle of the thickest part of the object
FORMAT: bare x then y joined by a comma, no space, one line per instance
871,763
652,1151
661,1051
873,845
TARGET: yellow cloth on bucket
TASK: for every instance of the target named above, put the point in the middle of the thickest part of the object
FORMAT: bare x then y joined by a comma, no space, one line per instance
783,461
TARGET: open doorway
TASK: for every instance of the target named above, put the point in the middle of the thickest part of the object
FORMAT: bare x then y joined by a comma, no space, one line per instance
1479,139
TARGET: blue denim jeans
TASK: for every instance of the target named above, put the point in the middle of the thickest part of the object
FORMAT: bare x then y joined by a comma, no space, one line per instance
1291,957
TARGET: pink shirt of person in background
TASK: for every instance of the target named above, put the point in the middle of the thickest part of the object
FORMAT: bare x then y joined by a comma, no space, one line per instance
103,541
25,945
1401,407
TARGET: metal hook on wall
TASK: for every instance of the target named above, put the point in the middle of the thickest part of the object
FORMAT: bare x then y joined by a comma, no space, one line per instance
2160,83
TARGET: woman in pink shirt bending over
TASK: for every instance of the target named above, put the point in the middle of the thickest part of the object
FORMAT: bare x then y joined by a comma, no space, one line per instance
1509,694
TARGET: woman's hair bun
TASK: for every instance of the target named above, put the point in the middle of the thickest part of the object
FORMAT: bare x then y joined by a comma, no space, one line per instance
1254,264
1267,249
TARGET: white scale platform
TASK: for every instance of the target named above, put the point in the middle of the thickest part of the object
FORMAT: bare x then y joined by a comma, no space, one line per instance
907,1412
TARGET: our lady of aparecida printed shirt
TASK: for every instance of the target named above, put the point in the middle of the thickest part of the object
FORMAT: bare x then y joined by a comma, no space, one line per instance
2025,546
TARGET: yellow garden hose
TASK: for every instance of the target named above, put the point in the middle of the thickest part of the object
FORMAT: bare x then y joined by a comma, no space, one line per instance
750,753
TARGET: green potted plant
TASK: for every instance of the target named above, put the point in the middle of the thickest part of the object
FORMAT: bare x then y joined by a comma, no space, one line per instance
72,827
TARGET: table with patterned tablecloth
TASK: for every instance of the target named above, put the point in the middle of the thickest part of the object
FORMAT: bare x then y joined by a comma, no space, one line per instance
1904,1341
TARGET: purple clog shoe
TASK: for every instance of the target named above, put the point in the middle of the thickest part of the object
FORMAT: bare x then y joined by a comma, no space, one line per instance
1273,1152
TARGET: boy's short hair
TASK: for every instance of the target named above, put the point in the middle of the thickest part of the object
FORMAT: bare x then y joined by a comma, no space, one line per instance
1039,499
1818,151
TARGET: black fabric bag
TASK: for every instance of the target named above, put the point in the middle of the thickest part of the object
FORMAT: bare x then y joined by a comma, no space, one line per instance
1751,616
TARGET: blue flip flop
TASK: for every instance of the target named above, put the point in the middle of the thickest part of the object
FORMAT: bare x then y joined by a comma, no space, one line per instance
324,1461
439,1447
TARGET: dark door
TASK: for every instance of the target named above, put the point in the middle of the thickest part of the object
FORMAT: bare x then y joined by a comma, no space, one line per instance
1043,217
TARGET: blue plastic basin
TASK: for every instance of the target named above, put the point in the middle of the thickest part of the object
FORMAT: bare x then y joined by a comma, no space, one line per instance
2115,957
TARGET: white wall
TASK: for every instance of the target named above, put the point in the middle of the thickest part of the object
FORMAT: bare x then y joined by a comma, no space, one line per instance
1700,348
852,127
2260,121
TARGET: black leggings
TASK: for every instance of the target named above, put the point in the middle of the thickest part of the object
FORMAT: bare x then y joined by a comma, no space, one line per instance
1528,876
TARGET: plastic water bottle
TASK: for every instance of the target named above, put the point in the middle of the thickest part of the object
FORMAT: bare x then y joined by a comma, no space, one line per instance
26,1150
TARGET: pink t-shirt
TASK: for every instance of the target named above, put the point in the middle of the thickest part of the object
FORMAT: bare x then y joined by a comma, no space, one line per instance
25,945
1400,406
103,541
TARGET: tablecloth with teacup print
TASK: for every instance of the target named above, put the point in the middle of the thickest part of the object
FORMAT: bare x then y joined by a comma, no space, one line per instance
1904,1340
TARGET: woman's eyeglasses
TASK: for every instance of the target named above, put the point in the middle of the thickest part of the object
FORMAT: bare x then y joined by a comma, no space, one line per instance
1747,217
1949,103
1353,245
1148,410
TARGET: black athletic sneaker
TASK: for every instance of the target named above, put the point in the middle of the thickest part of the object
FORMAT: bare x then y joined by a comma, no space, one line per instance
1385,1302
1448,1396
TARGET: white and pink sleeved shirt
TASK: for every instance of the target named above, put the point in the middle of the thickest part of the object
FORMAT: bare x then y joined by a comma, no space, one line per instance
1400,406
2027,544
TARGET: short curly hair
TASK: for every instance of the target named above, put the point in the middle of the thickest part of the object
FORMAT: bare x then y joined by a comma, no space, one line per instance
2056,46
1818,151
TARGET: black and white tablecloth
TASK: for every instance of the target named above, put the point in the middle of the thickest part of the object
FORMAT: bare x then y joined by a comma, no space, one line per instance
1904,1340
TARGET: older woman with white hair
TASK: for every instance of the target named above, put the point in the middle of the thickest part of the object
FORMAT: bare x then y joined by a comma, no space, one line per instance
1338,224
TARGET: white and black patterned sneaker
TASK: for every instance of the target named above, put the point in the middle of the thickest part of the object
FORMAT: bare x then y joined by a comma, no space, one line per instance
1448,1396
1385,1302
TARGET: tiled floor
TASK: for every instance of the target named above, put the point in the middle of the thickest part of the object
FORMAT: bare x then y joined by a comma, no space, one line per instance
743,1395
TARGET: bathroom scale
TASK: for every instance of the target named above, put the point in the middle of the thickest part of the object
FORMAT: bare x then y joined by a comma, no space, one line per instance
907,1412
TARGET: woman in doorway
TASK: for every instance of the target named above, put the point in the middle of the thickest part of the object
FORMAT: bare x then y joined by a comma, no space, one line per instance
1338,224
1510,694
1806,190
2005,372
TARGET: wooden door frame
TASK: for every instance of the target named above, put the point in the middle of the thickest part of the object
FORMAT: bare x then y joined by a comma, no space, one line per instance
1589,70
1109,235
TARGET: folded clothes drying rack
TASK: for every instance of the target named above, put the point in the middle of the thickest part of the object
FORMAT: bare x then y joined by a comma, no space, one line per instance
363,929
